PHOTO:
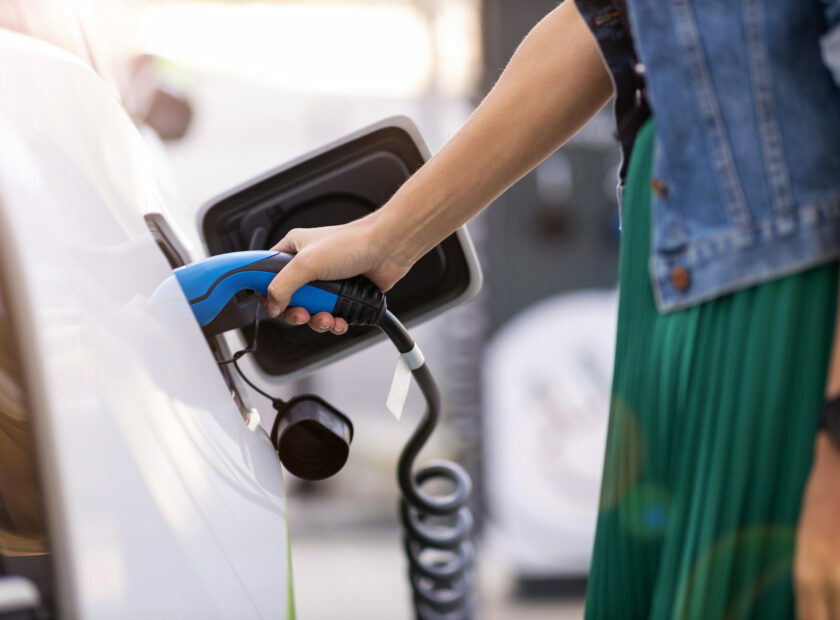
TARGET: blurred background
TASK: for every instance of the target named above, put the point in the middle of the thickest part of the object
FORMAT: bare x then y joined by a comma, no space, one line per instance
225,90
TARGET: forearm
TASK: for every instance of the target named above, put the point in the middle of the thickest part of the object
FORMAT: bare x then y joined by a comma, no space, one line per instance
816,563
553,84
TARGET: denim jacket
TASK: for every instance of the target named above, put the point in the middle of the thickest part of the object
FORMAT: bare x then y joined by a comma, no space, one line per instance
746,183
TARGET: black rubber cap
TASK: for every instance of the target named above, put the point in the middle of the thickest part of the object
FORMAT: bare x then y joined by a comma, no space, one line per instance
312,438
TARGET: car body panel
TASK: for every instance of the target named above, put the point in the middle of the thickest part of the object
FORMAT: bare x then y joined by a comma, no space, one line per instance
162,503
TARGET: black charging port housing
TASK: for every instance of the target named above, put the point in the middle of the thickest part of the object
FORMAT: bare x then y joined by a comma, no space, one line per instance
334,185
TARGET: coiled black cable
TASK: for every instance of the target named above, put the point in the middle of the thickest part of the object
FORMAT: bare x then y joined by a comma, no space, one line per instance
437,528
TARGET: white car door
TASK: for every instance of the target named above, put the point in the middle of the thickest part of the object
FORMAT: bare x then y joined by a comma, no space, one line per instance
161,502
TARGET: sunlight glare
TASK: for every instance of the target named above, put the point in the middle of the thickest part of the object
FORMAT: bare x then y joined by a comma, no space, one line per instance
314,48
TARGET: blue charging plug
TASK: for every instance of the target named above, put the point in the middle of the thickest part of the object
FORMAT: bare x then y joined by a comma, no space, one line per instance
211,283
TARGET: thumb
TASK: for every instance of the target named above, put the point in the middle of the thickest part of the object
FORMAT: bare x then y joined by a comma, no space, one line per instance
293,276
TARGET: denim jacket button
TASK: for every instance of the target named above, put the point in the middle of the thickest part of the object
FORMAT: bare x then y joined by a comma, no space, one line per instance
659,187
680,278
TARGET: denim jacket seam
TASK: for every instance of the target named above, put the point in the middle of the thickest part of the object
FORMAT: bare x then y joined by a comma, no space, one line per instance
674,303
765,107
768,229
723,160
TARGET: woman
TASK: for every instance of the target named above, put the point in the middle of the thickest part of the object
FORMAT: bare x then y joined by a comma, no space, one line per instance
721,489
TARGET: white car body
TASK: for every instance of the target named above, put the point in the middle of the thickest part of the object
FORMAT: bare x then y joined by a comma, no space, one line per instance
161,502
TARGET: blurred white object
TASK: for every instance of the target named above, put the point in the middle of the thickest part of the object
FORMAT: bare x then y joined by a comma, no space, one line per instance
547,386
17,594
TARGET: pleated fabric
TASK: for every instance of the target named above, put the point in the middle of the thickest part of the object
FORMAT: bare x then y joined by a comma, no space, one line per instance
710,439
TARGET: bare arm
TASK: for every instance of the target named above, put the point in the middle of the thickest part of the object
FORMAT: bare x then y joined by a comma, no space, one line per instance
816,568
553,84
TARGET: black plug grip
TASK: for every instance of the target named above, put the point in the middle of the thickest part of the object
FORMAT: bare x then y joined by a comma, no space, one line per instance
360,302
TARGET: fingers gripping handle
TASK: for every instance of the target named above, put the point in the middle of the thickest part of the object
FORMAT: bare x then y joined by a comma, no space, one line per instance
211,283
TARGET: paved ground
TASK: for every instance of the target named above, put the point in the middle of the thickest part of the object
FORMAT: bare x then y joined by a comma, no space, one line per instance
363,577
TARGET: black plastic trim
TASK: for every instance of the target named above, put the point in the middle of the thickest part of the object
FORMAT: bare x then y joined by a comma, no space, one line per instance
343,183
168,242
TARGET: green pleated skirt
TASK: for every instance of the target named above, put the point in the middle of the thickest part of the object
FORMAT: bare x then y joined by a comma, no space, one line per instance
712,423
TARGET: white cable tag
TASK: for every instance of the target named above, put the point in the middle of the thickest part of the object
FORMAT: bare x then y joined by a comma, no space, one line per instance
414,358
399,388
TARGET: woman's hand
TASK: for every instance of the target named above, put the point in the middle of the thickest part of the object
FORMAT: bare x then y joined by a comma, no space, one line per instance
816,567
333,253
